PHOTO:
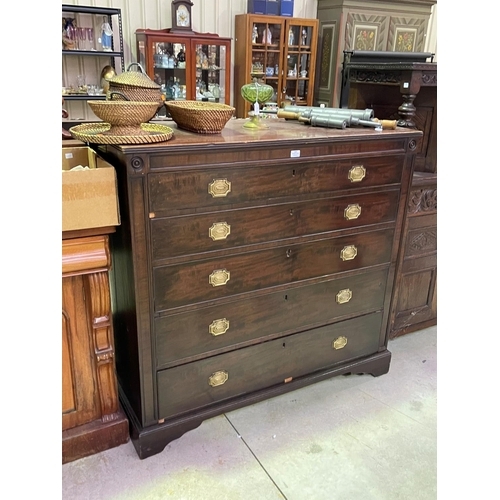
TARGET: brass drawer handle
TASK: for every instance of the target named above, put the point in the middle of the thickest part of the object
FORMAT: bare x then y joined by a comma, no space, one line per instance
352,211
218,326
219,277
219,231
219,188
339,343
349,252
357,173
218,378
343,296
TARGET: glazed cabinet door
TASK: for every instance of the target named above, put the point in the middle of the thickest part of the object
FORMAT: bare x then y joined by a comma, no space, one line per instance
282,52
187,67
299,62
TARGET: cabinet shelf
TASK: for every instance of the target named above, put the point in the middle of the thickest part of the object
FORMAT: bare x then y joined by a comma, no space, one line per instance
83,97
89,62
91,53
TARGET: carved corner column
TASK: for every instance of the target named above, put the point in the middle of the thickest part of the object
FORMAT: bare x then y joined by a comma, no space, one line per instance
94,421
97,286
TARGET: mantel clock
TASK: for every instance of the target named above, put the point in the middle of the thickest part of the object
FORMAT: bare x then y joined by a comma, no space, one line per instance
181,16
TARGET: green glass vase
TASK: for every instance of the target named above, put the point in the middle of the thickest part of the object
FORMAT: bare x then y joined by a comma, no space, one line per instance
256,93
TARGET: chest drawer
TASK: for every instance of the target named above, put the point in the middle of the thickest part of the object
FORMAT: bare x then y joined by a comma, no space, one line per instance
175,236
227,375
209,329
216,186
198,281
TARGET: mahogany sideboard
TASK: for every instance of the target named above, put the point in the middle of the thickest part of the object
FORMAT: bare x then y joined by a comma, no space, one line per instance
251,263
403,86
92,419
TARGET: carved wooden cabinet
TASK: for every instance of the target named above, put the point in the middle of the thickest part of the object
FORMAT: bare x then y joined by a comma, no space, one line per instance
251,263
284,49
406,90
366,25
415,296
92,420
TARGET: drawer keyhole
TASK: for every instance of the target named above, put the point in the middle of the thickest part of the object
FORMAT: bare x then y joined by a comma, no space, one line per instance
288,253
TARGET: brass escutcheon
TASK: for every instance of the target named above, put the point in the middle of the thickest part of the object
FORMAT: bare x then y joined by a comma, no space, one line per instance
219,277
357,173
218,326
349,252
343,296
219,188
339,343
352,211
218,378
219,231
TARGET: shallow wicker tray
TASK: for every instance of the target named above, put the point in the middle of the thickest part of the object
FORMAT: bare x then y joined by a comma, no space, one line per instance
200,117
96,133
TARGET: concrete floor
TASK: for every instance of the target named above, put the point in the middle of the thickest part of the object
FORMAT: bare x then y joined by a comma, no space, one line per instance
352,437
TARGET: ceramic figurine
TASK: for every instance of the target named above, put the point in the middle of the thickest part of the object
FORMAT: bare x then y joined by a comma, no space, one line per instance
106,35
291,37
304,37
255,34
267,36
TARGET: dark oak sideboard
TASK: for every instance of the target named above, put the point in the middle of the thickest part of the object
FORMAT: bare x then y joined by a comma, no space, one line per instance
251,263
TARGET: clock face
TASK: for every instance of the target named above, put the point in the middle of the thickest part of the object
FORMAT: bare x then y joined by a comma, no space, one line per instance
182,16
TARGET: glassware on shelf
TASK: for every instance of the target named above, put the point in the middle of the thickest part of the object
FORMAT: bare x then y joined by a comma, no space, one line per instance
81,34
90,38
256,93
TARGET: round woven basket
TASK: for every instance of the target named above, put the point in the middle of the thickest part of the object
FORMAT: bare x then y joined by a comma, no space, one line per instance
135,85
200,117
124,112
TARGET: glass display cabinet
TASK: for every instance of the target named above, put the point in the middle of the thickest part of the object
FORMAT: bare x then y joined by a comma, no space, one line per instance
188,66
283,49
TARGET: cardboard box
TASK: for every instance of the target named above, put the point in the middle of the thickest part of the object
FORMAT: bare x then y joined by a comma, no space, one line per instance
256,6
89,197
286,8
272,7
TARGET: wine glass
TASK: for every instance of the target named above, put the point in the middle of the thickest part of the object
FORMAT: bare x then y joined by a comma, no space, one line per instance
90,36
71,34
82,37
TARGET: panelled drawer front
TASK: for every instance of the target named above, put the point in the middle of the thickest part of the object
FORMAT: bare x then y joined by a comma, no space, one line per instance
210,380
205,330
196,281
175,236
218,187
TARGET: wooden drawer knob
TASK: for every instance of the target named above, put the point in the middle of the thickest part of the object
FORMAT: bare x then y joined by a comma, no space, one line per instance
219,277
219,231
339,343
219,326
343,296
219,188
357,173
352,211
218,378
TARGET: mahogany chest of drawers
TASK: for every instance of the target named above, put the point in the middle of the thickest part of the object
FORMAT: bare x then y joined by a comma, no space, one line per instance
251,263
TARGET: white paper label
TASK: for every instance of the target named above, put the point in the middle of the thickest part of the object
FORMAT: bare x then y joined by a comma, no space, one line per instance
68,155
406,85
295,153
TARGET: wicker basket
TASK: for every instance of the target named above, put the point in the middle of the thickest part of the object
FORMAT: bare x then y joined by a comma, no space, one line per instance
200,117
123,112
136,86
